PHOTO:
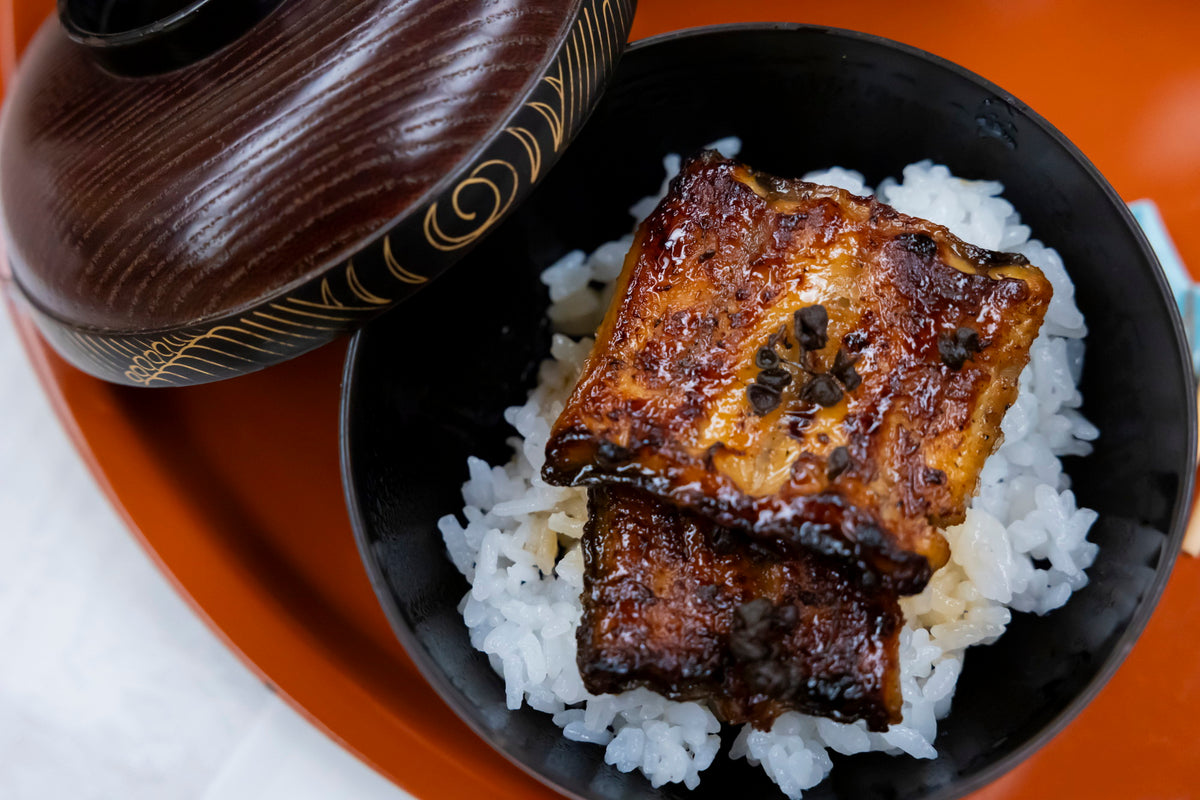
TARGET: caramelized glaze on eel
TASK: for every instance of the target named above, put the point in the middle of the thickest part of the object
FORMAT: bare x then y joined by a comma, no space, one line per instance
808,367
691,610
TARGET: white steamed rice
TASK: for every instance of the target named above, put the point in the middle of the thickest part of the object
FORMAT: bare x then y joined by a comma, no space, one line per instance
1022,547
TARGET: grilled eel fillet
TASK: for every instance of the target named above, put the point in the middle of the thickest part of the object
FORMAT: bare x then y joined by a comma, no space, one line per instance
691,610
894,351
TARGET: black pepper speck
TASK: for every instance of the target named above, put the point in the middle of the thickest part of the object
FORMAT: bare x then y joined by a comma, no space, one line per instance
811,326
822,390
763,399
843,369
776,377
957,347
766,357
838,462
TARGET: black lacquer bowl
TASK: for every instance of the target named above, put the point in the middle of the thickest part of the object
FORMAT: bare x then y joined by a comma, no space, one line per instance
426,385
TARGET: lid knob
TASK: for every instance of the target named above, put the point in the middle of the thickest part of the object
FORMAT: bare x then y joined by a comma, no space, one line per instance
144,37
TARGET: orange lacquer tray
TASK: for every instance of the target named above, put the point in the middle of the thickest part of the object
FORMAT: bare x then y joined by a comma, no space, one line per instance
233,488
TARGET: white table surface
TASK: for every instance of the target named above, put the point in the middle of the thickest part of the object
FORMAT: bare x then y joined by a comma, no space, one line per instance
110,687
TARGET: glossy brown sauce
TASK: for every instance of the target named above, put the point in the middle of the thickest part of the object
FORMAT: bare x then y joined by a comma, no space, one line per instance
722,266
678,604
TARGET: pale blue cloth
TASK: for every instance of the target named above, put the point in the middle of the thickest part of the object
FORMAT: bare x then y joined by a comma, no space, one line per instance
1187,292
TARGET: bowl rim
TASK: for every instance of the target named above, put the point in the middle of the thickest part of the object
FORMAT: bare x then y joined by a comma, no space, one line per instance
1175,532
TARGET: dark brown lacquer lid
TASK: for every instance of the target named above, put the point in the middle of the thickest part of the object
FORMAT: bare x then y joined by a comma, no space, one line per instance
195,189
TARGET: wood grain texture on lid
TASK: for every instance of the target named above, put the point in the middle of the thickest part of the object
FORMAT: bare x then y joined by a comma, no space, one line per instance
337,155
